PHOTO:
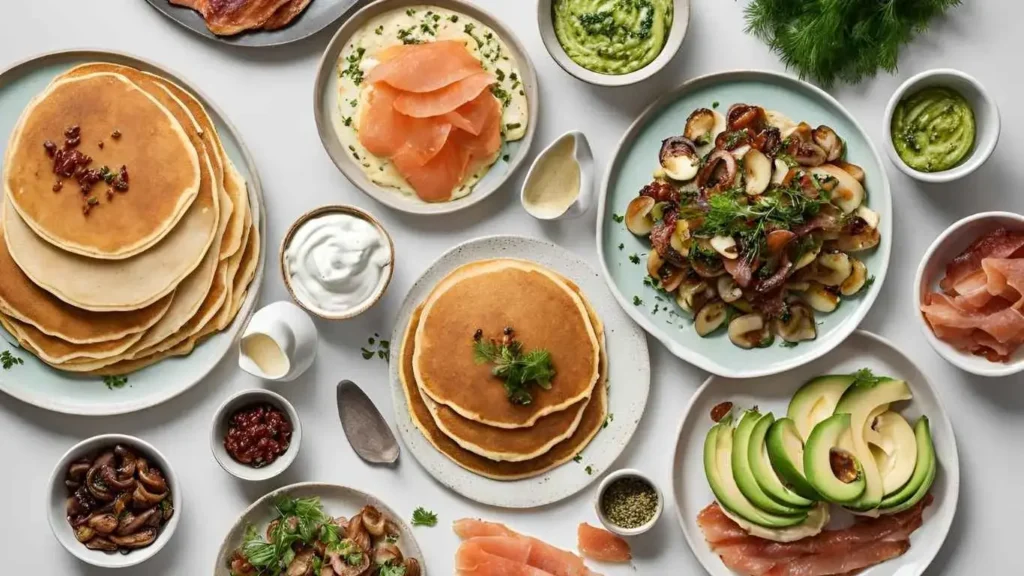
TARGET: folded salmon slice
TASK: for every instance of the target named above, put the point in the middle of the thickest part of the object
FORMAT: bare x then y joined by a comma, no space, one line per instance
445,99
472,560
542,555
827,564
474,115
384,132
1004,277
1000,243
435,180
602,545
424,67
1003,324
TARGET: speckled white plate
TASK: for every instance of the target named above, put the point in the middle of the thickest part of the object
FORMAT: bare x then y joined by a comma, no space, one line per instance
36,383
337,501
629,379
861,350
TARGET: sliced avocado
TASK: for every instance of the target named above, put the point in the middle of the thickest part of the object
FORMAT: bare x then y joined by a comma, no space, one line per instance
744,475
896,452
761,466
718,469
819,452
924,473
816,400
870,435
859,401
786,451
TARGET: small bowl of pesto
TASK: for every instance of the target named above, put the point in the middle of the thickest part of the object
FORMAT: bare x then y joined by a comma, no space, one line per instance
628,502
942,125
613,42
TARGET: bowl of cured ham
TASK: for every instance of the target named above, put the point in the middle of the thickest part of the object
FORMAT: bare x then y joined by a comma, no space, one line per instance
970,293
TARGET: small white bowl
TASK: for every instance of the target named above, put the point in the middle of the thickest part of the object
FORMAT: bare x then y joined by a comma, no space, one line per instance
680,22
932,269
219,430
986,121
57,500
583,155
608,481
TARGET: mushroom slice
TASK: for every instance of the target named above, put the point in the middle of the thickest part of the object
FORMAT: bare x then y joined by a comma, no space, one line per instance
386,553
848,194
757,170
701,126
357,533
654,264
749,330
797,286
151,477
412,567
680,240
719,171
110,480
857,279
679,158
710,318
726,246
131,523
671,278
100,543
301,564
691,295
84,533
740,151
829,141
780,169
373,520
869,216
348,559
728,289
798,325
743,305
140,539
779,120
128,461
821,298
809,154
145,499
638,215
866,239
102,523
833,268
852,169
78,470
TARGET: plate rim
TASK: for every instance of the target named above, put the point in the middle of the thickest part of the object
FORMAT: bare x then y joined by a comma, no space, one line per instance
367,496
391,198
614,167
952,476
405,424
255,287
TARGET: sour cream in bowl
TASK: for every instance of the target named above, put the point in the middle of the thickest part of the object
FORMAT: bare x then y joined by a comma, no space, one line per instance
337,261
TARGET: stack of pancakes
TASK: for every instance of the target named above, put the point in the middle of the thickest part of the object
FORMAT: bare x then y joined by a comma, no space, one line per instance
462,408
107,282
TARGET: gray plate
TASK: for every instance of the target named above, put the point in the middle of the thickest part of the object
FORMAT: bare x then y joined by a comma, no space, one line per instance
317,16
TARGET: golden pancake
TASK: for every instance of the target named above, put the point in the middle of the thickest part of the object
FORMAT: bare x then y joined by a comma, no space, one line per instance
544,313
131,283
247,270
55,351
163,167
593,419
26,302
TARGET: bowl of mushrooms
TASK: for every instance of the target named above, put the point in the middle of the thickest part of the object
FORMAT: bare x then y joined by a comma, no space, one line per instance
114,501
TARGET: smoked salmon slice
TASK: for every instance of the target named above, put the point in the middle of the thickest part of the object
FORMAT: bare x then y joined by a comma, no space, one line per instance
424,67
474,115
542,556
434,180
1000,243
384,132
443,100
602,545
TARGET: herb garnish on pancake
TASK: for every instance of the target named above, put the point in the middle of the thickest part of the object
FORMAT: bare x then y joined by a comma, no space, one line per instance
515,367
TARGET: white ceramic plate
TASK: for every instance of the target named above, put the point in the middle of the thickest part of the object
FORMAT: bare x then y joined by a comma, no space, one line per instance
629,379
325,103
36,383
337,501
861,350
632,167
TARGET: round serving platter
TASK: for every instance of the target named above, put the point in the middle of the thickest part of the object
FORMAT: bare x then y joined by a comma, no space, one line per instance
629,380
861,350
325,104
634,162
36,383
318,15
336,500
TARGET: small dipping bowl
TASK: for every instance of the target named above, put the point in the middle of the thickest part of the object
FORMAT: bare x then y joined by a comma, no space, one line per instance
584,158
933,268
58,495
221,423
366,304
986,121
608,482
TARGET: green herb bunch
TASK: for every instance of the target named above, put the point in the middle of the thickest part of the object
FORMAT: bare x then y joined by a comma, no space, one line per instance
845,40
514,366
299,520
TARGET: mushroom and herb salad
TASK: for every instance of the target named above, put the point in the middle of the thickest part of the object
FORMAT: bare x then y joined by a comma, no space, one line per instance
117,500
303,540
755,222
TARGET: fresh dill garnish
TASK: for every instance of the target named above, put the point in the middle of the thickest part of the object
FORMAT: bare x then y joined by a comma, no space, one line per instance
352,69
618,218
113,382
634,258
423,517
377,347
637,301
844,40
621,245
577,458
516,367
9,360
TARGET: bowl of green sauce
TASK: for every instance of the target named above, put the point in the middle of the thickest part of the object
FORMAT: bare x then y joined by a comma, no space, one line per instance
942,125
613,42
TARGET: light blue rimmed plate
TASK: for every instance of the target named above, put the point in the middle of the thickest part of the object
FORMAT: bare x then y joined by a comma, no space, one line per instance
36,383
632,168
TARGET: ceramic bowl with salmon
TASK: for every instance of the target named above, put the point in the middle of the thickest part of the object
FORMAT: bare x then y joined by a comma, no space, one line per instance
897,542
427,108
623,254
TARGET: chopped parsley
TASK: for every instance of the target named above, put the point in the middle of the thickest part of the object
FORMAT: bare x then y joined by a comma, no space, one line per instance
352,69
379,31
577,458
634,258
589,470
637,301
113,382
621,245
9,360
377,347
423,517
714,104
505,158
618,218
786,344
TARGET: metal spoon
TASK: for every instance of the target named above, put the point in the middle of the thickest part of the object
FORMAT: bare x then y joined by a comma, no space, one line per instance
365,428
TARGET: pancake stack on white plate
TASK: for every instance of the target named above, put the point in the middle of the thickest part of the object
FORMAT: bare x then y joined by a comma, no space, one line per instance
464,410
128,234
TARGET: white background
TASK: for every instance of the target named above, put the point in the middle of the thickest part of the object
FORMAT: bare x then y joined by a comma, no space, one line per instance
267,93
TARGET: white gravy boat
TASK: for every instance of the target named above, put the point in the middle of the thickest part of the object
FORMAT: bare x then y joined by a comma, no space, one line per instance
279,343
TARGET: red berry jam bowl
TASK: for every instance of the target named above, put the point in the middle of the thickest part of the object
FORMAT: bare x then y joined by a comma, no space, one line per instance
255,435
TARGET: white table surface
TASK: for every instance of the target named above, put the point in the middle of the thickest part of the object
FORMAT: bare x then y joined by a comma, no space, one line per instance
267,93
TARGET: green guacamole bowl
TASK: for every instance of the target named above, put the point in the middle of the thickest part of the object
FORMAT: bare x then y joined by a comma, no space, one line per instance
623,255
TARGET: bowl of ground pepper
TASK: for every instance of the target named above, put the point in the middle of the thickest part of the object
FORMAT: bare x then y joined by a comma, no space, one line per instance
628,502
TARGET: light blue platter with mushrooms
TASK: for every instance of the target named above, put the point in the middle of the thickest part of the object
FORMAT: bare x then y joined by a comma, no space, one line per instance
746,223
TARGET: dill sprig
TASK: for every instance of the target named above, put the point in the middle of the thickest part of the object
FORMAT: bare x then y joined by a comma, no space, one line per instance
844,40
299,520
514,366
423,517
